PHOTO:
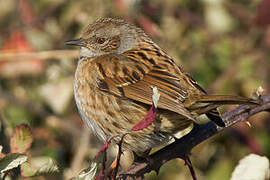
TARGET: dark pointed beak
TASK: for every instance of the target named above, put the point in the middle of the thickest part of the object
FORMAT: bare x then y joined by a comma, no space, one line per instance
76,42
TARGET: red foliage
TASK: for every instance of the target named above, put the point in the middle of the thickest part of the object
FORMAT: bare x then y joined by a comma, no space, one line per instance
147,120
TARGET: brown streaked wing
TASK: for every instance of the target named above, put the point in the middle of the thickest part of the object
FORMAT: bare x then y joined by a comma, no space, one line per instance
132,79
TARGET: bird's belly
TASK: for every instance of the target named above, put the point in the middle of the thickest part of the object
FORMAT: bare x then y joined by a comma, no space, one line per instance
88,114
107,116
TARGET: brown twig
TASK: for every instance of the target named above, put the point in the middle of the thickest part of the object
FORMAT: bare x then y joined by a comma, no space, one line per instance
115,171
183,146
53,54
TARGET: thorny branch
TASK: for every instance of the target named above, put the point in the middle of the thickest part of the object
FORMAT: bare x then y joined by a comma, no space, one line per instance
182,147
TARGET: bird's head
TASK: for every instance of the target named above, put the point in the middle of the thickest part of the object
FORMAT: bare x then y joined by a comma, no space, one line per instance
107,35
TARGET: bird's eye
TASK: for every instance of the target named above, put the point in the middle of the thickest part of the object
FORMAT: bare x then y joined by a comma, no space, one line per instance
100,40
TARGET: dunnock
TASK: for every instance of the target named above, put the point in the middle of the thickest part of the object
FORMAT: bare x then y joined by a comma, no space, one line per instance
118,65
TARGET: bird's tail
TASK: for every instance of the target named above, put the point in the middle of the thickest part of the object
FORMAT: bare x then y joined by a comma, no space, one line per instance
207,104
225,99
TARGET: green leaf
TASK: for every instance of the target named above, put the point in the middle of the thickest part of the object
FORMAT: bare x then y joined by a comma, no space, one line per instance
21,139
11,161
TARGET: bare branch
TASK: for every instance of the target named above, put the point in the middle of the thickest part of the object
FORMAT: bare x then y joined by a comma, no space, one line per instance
183,146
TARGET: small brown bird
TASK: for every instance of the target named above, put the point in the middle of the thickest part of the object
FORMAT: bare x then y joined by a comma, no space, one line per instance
118,66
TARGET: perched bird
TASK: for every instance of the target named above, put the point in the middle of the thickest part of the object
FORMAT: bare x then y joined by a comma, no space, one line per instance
118,66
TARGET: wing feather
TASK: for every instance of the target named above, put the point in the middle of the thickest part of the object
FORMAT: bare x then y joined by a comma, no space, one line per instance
134,80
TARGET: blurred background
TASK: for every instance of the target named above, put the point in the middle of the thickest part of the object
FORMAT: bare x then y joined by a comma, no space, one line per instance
224,45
